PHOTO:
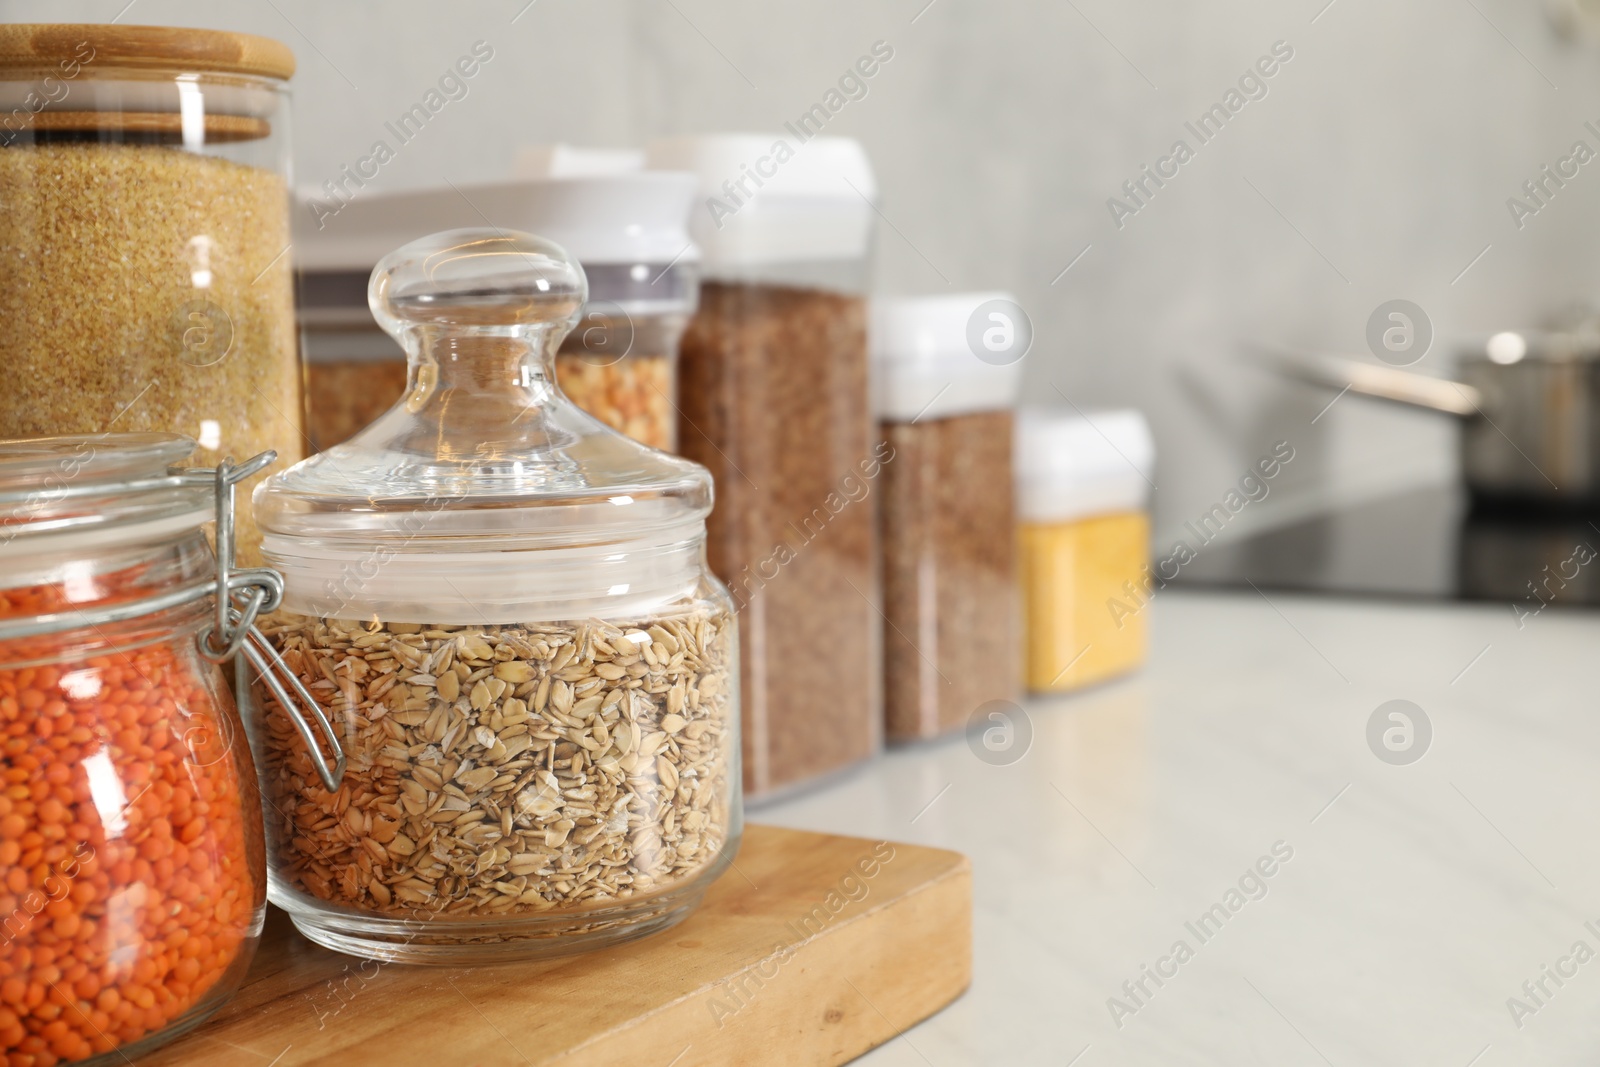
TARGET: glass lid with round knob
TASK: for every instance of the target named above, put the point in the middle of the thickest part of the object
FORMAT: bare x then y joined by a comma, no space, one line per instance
484,492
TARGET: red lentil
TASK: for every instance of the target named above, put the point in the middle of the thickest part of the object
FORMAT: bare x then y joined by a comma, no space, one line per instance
117,914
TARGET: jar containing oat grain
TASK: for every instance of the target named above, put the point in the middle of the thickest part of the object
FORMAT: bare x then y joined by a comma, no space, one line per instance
144,176
504,607
1083,484
132,874
951,611
774,399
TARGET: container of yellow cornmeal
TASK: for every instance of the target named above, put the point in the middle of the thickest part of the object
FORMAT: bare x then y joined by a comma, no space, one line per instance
1083,483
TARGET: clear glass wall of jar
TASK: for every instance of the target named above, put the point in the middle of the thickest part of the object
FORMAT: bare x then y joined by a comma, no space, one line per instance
504,607
144,173
134,880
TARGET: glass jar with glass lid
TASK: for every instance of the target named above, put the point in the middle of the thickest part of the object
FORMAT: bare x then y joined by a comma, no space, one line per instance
504,606
132,873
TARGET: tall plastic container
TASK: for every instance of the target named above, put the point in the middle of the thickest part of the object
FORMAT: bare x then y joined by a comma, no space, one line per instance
775,400
951,607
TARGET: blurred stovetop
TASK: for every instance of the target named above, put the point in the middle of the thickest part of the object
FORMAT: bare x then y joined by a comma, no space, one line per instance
1426,544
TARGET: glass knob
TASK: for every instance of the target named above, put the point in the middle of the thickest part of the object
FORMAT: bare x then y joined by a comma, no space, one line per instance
500,282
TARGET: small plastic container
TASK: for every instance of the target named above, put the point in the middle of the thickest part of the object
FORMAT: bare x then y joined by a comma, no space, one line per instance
1083,483
132,876
505,607
144,177
628,230
951,604
774,398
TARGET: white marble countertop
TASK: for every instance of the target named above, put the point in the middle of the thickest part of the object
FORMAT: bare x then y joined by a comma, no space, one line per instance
1418,900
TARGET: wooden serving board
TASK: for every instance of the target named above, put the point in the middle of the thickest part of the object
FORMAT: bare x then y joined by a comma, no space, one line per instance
796,956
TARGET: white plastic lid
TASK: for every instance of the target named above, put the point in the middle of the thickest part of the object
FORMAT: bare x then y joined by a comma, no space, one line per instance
765,198
599,219
1071,466
923,363
570,161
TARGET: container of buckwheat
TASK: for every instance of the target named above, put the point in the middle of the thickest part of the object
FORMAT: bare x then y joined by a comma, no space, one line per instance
504,608
774,399
951,634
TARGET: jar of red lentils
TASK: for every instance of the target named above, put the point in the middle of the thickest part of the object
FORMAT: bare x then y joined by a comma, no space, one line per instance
132,880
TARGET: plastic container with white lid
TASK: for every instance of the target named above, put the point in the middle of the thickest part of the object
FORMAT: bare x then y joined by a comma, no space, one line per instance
561,160
951,612
505,608
1083,484
769,208
627,228
775,400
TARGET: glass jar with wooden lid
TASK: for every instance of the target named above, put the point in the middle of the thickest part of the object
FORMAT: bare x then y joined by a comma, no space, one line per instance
144,173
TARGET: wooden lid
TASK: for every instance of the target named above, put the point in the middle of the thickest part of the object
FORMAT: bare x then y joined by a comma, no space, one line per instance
136,125
36,46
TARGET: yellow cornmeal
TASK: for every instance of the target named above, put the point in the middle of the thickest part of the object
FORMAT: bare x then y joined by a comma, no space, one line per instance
1070,571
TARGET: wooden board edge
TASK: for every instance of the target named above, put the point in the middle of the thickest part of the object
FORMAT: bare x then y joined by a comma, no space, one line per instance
863,982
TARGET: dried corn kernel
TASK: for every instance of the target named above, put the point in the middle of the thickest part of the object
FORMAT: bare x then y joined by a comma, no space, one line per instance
632,395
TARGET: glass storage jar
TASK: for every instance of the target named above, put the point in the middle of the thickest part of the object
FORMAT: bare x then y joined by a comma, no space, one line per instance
134,882
504,606
144,172
774,399
1083,482
628,231
951,611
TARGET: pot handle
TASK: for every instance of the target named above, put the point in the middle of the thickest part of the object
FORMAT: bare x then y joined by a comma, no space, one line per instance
1442,395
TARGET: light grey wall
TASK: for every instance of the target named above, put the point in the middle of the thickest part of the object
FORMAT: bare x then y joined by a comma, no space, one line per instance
1378,166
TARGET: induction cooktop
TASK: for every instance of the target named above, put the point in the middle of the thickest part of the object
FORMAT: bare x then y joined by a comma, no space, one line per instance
1431,544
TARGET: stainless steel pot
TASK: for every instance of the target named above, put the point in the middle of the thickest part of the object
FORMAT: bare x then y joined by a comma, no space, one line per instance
1529,405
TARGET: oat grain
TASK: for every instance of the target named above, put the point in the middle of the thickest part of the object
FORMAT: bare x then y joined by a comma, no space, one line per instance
461,795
